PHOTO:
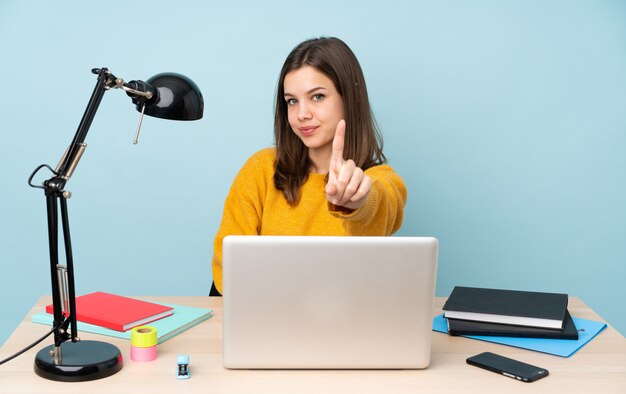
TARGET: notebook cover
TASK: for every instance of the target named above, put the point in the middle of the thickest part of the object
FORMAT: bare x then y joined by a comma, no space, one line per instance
509,304
183,318
468,327
116,312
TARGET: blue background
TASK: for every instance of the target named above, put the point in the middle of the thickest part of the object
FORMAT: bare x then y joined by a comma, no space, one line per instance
507,121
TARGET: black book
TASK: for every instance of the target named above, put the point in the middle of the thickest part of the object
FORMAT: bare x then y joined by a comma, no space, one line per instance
468,327
521,308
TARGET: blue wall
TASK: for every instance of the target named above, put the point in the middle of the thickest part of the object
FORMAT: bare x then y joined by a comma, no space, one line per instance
506,119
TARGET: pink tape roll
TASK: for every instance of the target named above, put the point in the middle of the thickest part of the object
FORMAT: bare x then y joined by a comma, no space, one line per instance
143,354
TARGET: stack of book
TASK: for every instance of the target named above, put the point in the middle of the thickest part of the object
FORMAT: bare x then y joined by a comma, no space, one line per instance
511,313
114,315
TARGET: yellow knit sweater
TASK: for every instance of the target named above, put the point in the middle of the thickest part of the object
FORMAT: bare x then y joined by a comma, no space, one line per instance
255,207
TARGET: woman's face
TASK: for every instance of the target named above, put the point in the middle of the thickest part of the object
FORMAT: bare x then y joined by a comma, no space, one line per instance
314,107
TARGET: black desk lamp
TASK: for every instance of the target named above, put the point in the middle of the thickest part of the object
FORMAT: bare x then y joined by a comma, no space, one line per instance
166,95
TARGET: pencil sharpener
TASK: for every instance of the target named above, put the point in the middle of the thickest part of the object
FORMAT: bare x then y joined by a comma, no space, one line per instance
183,367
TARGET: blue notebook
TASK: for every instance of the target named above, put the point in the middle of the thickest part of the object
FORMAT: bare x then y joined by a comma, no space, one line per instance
587,330
183,318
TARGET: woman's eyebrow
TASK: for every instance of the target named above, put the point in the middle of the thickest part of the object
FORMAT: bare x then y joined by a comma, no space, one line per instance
308,92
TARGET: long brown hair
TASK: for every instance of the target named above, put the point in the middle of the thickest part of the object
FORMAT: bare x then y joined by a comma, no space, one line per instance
363,141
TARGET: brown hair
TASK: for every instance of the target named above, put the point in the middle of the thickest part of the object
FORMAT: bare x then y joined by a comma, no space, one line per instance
363,141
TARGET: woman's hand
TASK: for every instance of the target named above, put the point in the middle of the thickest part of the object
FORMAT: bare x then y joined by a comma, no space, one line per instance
347,186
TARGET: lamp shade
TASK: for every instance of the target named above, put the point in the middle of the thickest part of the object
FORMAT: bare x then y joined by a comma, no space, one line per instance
177,98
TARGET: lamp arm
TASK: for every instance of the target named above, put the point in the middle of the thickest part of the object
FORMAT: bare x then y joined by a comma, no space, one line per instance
68,162
106,80
62,277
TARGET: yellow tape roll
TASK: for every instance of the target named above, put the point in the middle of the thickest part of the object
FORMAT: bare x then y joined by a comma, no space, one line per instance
143,336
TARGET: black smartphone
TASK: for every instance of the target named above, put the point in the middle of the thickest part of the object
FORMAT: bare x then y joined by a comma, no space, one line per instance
508,367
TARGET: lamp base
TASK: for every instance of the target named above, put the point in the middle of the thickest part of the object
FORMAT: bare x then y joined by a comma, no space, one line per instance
80,361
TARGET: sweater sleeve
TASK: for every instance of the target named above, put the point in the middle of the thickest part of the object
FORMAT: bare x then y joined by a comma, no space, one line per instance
383,210
243,208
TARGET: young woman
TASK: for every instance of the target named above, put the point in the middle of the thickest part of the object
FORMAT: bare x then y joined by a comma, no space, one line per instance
327,174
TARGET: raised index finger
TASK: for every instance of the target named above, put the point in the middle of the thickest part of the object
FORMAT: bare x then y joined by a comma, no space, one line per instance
340,134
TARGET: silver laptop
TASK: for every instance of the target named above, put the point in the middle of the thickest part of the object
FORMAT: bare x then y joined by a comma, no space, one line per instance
328,302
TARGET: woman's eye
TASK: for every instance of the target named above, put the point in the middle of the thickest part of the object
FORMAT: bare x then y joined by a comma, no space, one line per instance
291,101
318,97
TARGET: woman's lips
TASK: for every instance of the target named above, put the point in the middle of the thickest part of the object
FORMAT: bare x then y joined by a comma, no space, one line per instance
307,130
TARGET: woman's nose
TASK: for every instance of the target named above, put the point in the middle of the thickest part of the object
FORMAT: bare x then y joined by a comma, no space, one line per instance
304,112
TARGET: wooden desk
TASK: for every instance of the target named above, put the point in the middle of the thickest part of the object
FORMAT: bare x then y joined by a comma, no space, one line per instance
599,367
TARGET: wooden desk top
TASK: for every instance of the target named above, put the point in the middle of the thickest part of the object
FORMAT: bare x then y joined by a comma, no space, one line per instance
599,367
